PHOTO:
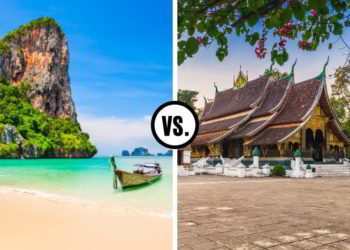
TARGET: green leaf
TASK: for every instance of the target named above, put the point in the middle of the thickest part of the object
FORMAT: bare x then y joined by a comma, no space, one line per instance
314,4
337,29
222,40
180,57
274,54
275,22
201,27
306,35
253,38
299,12
228,30
192,46
255,4
253,19
268,24
190,30
221,53
181,44
286,15
282,58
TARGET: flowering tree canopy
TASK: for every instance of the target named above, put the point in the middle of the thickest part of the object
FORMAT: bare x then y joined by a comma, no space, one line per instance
202,23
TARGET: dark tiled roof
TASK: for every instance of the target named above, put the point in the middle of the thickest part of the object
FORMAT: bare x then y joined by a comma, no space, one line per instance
275,92
206,138
246,129
298,102
273,135
219,125
232,101
207,107
333,125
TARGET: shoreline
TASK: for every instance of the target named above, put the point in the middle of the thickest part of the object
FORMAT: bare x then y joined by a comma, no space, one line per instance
30,221
67,200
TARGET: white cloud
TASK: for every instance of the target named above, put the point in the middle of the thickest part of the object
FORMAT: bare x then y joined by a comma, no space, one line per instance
112,134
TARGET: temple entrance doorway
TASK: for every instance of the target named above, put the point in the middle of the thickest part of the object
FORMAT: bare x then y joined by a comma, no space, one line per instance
237,148
225,149
309,138
318,145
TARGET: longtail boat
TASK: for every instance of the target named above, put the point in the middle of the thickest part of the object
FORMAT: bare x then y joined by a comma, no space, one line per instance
145,173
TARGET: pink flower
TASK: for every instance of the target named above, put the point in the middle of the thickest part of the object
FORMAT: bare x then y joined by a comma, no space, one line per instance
282,43
313,12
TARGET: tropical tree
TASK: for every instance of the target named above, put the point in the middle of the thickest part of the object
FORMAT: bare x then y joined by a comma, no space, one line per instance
340,88
202,23
188,96
341,96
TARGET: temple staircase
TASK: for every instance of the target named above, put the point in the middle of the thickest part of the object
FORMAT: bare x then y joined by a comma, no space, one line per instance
332,169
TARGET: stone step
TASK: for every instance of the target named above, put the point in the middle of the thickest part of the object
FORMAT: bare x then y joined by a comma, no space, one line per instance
333,173
335,170
332,169
330,175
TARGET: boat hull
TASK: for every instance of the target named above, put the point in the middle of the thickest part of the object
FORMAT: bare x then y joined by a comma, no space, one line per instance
131,179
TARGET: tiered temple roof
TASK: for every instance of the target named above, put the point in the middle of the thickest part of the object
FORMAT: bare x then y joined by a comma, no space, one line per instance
265,111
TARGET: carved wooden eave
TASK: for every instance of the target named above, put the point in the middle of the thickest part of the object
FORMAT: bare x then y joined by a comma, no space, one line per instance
278,111
283,126
274,111
246,110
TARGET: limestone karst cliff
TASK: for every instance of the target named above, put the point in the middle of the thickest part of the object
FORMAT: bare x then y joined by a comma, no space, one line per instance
37,53
37,113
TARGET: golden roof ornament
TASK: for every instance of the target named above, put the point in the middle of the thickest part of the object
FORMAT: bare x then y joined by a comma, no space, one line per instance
241,79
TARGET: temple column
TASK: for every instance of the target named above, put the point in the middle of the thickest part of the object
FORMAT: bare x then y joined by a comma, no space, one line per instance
215,149
303,139
280,147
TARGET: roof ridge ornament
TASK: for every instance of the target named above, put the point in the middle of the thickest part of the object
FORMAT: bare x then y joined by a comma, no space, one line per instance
271,67
323,73
293,66
205,100
325,65
216,89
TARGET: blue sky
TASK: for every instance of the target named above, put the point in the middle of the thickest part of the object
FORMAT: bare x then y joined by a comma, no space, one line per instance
120,60
200,72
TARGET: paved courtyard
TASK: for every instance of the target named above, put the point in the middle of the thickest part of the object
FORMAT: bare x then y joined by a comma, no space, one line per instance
217,212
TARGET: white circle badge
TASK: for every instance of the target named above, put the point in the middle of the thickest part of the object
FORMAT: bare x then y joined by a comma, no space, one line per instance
174,124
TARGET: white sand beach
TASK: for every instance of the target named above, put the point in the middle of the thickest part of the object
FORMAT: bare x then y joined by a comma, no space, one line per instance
33,223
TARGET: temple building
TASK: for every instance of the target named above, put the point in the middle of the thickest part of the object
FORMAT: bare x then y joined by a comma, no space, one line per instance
278,116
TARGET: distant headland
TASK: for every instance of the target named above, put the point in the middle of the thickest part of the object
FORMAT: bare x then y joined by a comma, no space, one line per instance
142,151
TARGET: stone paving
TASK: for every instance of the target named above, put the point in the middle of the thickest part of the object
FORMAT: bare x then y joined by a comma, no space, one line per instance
217,212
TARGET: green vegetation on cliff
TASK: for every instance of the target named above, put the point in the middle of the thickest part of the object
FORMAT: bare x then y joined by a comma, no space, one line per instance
43,136
43,22
4,48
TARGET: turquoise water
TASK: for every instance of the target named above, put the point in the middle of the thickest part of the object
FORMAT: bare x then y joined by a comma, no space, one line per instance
89,180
